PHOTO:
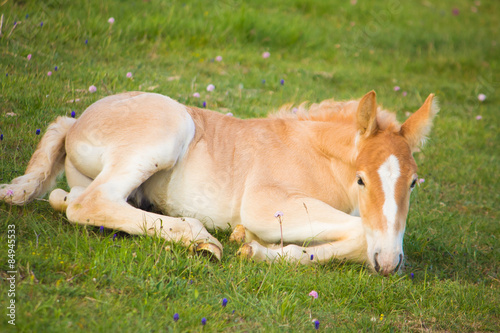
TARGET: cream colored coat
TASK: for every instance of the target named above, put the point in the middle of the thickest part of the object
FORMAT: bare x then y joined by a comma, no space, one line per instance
143,163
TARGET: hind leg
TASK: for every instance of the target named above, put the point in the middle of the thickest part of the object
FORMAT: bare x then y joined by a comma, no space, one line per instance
77,181
59,199
95,206
74,176
103,203
121,142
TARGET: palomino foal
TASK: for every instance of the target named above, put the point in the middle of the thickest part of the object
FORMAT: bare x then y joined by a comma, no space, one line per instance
341,173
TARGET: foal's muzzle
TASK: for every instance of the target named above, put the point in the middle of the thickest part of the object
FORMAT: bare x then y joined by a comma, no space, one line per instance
387,270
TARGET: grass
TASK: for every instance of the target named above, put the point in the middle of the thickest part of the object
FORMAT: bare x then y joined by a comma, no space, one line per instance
73,278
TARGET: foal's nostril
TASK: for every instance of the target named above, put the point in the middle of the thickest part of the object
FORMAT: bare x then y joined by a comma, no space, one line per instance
377,266
399,264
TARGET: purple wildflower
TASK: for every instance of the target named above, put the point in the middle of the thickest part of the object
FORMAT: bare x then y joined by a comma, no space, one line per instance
204,104
73,114
176,317
263,81
1,137
37,131
312,256
55,68
27,15
316,324
203,321
282,81
114,237
224,302
86,41
101,229
412,276
41,24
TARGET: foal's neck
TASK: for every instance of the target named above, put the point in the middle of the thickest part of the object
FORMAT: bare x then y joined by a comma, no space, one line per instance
337,142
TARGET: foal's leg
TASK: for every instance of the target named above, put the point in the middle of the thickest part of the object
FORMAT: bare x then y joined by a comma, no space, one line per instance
77,182
120,142
346,249
318,228
104,203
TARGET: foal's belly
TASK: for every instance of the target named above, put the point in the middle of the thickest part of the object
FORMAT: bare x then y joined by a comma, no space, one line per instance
192,193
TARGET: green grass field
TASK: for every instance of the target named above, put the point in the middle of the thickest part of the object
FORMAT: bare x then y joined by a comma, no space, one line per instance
73,278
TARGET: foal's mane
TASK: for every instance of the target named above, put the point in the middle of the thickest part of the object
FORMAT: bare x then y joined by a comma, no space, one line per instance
333,111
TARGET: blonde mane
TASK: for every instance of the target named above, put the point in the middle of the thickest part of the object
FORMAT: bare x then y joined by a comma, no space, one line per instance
333,111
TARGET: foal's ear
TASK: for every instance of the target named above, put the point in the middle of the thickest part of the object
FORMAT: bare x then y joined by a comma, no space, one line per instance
416,128
366,114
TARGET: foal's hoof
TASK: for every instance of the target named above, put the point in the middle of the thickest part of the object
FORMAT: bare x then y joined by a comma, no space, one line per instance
58,200
209,249
238,235
245,251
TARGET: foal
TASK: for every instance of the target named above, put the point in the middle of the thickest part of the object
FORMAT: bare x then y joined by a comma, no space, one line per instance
341,173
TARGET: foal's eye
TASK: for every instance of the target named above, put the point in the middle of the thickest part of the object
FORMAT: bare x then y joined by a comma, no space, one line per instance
360,182
413,183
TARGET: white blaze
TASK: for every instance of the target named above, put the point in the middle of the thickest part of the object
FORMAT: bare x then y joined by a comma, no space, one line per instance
389,174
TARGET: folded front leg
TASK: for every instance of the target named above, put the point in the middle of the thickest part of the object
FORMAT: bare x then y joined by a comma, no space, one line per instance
309,227
342,250
304,219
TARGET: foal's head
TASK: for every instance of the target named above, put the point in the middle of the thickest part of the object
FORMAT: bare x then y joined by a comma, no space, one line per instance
386,174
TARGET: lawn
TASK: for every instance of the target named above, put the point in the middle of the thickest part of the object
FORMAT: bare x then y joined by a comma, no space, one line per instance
75,278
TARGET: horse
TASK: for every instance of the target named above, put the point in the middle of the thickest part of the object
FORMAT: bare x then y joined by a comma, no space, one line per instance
328,181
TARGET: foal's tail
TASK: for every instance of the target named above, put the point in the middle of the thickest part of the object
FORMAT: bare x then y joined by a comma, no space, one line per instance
43,168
